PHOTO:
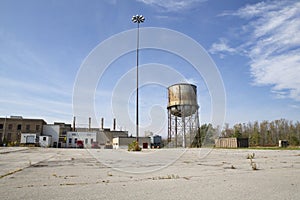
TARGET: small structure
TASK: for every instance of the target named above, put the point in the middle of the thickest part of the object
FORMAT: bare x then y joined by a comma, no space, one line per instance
232,143
45,141
86,139
28,138
283,143
123,142
156,141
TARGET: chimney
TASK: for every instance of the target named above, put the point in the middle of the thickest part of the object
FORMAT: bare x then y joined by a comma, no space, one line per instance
102,123
74,120
114,125
90,119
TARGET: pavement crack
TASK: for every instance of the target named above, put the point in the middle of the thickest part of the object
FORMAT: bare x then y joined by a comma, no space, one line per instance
10,173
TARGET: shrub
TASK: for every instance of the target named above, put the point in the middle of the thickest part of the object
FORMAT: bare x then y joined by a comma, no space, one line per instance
134,146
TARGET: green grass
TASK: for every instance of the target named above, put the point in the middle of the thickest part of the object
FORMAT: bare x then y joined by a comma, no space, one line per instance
265,148
274,148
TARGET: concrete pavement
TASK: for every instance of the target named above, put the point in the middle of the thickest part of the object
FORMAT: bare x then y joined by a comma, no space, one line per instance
152,174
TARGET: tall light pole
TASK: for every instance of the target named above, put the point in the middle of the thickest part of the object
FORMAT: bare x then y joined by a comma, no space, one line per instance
137,19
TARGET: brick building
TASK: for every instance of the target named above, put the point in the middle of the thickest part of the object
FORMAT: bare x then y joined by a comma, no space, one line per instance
12,127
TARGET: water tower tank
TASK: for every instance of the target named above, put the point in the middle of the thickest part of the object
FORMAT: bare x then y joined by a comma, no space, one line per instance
182,99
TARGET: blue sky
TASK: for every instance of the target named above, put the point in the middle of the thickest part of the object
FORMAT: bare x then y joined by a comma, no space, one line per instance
254,44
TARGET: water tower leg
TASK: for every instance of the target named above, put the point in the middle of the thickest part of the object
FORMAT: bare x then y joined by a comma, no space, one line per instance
169,126
191,133
176,132
184,135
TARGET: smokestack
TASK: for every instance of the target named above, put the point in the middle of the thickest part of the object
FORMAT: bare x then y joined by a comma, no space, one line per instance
74,120
90,119
114,125
102,123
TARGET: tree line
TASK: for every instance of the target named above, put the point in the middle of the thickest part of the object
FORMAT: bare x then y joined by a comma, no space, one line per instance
265,133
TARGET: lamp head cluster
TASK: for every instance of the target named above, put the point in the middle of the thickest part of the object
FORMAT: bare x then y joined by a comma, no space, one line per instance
138,19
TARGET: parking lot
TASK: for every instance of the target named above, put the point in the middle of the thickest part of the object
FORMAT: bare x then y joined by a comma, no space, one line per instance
48,173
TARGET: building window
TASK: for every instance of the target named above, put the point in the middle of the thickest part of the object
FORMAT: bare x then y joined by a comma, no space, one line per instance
19,127
10,126
44,138
1,126
27,127
37,127
70,140
92,140
86,140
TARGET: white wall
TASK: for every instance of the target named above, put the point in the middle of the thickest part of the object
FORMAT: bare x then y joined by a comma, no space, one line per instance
53,131
46,142
122,142
24,138
86,137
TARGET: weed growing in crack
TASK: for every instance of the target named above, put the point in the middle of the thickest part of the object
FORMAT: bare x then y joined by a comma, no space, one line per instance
172,176
254,166
251,156
252,163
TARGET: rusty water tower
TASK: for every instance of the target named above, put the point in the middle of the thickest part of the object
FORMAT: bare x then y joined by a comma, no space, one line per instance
183,119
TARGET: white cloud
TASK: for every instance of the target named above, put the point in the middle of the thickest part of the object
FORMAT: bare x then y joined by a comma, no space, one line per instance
273,45
221,46
172,5
294,106
192,81
26,88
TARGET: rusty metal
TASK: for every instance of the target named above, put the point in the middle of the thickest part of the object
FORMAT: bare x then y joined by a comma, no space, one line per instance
182,99
183,119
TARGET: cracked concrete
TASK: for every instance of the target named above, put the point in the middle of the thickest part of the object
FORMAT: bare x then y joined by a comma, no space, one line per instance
38,173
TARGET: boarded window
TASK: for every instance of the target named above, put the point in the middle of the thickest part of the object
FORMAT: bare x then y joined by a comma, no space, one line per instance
8,137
